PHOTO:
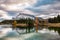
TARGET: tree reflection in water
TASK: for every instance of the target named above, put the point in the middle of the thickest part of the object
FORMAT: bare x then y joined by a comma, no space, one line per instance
55,29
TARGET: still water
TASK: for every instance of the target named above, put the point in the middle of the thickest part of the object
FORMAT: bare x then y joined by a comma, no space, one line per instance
44,34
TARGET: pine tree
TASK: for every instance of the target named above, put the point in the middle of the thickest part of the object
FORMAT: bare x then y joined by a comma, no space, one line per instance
58,18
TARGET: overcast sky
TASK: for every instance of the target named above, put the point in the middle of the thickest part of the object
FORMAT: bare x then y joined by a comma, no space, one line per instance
40,8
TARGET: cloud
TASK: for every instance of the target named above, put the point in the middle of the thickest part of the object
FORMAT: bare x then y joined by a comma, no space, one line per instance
43,2
8,8
14,5
16,1
4,15
41,8
47,10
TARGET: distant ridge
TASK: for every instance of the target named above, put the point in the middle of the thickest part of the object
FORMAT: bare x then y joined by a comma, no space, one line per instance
25,15
28,15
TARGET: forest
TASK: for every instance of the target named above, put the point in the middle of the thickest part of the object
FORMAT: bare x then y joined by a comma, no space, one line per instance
54,20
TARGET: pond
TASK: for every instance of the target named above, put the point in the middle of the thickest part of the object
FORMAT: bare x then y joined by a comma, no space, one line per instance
43,34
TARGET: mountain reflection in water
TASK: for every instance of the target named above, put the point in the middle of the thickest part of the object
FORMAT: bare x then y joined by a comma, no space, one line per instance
44,34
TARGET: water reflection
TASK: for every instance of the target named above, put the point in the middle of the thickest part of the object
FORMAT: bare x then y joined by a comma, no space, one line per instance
44,34
55,29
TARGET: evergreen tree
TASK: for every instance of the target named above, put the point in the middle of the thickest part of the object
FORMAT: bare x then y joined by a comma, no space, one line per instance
55,19
58,18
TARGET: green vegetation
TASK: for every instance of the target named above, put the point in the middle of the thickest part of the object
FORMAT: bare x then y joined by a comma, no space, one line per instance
28,21
55,19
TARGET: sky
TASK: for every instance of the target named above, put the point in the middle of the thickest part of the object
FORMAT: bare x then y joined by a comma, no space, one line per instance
40,8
